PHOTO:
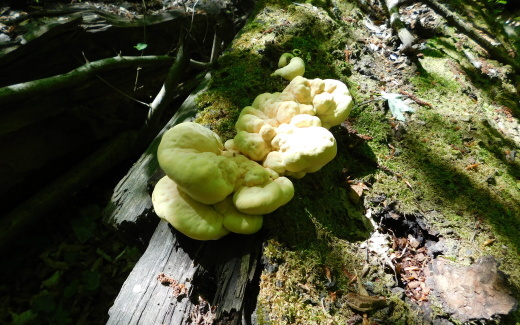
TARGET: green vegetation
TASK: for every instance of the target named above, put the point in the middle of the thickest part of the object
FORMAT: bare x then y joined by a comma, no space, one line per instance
81,268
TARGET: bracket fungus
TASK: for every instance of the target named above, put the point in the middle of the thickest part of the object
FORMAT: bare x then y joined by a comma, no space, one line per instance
290,66
194,219
190,155
195,196
288,132
211,189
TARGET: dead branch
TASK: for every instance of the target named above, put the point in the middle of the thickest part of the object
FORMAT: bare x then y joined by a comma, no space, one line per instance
14,93
101,161
406,38
496,50
167,90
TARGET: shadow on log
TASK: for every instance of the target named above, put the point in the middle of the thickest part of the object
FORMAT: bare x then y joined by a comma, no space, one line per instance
47,131
130,209
215,273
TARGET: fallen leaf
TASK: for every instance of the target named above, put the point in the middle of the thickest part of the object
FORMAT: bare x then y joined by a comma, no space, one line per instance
397,105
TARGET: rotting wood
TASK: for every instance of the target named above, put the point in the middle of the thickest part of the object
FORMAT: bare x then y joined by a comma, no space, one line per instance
102,160
217,273
143,299
130,206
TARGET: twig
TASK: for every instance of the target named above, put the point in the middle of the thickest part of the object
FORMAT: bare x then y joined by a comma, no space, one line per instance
415,99
199,65
215,48
121,92
388,170
193,15
496,50
369,101
144,24
14,93
165,95
87,61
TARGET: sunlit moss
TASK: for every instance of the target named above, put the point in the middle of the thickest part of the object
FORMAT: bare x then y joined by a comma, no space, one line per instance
430,162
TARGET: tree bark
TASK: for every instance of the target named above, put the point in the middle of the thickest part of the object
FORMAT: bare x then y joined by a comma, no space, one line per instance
130,210
215,273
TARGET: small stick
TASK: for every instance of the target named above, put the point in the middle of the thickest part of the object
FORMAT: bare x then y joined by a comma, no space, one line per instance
415,99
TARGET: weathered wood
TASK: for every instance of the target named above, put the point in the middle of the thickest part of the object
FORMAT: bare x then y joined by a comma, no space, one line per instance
130,208
143,299
216,272
102,160
225,271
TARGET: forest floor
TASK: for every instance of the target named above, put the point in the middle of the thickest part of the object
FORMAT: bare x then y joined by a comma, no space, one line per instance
405,194
409,201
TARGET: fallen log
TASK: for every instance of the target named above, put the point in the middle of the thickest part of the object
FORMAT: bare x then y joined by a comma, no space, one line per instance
130,207
201,281
101,161
495,49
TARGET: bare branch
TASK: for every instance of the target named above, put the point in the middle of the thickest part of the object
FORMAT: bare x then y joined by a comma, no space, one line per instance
167,90
14,93
496,50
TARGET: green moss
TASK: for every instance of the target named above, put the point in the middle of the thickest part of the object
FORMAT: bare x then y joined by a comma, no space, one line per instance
373,122
292,294
430,159
242,73
238,78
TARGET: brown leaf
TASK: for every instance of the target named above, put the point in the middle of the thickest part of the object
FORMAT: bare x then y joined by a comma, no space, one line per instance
328,274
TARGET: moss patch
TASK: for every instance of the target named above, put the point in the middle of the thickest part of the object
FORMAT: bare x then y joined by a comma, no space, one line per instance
448,162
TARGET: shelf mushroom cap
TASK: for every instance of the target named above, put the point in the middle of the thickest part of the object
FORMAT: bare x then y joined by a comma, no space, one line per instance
194,219
236,221
264,198
190,155
197,220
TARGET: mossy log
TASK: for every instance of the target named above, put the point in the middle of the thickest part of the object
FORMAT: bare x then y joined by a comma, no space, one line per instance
314,246
214,273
